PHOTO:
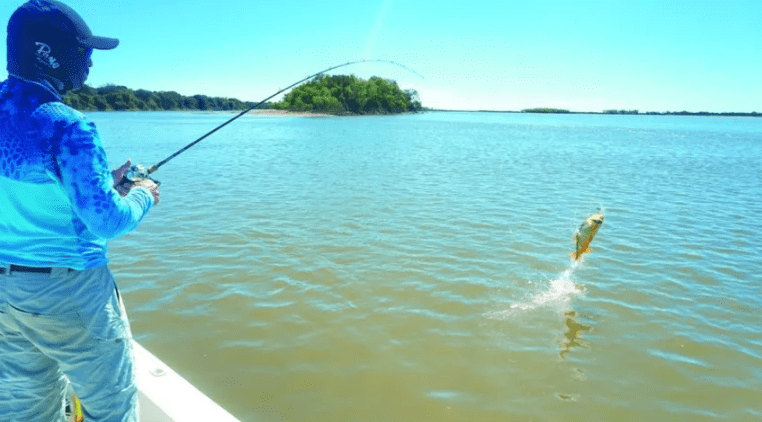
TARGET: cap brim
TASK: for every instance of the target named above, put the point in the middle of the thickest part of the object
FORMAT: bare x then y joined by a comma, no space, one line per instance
100,43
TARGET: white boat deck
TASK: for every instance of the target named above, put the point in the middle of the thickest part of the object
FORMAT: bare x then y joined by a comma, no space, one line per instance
165,396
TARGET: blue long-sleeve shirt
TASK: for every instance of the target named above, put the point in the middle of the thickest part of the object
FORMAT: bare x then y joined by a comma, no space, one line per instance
57,203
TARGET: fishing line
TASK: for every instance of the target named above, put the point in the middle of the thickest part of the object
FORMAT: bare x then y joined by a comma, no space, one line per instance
139,172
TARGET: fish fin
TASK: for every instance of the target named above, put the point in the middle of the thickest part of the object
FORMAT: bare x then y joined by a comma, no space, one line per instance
574,256
587,250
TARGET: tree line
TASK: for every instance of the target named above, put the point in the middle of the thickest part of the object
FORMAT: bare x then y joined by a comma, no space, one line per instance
342,94
637,112
682,113
121,98
545,110
339,94
703,113
612,111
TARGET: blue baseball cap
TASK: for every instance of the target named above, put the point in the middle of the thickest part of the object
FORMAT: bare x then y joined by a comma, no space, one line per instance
49,18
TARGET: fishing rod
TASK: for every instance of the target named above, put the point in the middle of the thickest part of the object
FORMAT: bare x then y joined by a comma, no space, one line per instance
139,172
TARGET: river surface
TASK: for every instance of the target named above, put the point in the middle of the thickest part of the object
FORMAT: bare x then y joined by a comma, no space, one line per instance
416,267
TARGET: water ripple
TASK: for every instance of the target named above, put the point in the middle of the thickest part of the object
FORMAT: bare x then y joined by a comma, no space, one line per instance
335,266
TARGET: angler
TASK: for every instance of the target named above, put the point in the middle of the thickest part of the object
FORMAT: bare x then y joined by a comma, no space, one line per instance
61,315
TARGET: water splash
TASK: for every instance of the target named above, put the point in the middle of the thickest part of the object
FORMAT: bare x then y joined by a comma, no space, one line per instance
557,294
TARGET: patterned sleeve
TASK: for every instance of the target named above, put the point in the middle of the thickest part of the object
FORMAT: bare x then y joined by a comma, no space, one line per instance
79,162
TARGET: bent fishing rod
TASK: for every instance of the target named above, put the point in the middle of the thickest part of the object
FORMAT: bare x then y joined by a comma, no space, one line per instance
139,172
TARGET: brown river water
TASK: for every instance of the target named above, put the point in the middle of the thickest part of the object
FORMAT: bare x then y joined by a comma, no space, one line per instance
416,267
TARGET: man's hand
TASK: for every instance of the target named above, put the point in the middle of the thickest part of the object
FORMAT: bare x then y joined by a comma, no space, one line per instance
152,186
118,174
123,190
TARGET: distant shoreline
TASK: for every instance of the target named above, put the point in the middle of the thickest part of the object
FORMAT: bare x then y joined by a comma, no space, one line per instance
286,113
613,112
255,112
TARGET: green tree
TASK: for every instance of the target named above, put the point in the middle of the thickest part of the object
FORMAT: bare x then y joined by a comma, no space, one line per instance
121,100
341,94
73,101
147,100
117,97
109,88
413,99
202,102
100,103
169,100
189,103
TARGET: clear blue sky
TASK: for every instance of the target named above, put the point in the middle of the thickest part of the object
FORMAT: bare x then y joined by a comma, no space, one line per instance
650,55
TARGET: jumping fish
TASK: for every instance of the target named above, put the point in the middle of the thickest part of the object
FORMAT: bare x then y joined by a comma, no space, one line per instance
585,234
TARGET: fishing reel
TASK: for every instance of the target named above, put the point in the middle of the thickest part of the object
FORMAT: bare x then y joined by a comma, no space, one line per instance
135,174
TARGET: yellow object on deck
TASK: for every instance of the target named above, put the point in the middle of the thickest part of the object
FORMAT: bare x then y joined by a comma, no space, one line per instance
74,408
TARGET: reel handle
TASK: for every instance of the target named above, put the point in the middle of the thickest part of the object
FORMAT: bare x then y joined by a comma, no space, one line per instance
137,173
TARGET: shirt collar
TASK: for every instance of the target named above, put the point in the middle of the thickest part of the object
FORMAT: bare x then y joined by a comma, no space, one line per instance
44,84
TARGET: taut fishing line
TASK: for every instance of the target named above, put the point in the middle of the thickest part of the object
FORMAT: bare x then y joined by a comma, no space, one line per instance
139,172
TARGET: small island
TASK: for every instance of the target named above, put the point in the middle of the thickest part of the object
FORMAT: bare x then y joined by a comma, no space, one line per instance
344,95
338,95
